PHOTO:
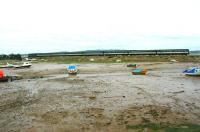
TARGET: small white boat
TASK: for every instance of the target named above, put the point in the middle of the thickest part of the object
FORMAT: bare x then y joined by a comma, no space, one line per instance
193,71
24,65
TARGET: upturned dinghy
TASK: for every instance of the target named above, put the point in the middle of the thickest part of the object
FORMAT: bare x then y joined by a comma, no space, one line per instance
193,71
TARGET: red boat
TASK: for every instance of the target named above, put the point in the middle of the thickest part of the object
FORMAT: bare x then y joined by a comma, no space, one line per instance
4,77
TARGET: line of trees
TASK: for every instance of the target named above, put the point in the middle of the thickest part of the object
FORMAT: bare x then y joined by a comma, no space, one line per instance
10,57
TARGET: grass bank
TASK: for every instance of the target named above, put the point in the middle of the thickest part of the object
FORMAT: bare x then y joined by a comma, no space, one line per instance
113,59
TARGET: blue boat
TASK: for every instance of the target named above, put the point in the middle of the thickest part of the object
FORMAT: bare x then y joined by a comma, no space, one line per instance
72,69
193,71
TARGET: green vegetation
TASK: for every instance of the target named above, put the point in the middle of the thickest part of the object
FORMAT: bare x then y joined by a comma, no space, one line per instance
11,57
106,59
166,127
113,59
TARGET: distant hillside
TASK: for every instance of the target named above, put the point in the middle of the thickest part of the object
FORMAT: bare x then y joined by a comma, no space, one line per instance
114,52
196,52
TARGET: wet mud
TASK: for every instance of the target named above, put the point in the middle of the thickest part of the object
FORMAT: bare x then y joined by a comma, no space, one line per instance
101,97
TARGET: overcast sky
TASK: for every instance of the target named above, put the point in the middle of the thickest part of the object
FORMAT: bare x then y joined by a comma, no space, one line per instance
71,25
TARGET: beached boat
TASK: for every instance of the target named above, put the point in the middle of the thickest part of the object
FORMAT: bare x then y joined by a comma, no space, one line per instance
24,65
132,65
72,69
4,77
139,72
193,71
7,66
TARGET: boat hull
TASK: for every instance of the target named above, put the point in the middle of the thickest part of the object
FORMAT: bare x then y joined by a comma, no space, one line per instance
72,71
6,66
192,72
139,72
18,67
6,79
